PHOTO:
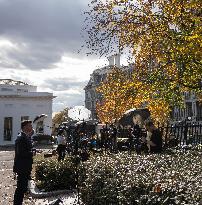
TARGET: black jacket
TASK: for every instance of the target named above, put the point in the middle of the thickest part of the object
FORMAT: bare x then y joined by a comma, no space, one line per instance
23,155
156,138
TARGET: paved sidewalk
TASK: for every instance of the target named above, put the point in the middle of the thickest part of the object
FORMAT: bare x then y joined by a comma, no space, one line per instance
8,184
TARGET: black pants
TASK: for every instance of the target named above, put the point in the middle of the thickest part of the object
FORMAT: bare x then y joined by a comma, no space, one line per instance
61,152
22,185
113,144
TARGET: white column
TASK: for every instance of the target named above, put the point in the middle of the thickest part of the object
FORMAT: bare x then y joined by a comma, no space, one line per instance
111,60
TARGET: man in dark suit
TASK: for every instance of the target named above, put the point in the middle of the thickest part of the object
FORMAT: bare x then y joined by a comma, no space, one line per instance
23,160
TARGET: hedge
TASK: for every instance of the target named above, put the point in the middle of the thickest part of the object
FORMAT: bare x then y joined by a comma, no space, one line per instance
170,178
52,175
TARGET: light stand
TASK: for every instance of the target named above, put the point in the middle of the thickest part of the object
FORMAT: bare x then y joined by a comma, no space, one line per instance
77,161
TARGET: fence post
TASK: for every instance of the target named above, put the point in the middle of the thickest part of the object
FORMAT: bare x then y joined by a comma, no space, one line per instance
185,133
166,135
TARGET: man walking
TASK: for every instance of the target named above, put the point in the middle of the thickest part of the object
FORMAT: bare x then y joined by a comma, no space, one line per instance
23,160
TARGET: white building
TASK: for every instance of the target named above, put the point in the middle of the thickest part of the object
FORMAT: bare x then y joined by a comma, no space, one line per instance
20,101
192,109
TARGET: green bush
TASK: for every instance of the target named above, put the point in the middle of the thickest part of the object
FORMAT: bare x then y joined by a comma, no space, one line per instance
52,175
170,178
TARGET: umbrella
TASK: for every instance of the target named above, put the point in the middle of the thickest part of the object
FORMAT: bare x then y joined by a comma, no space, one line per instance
129,111
39,118
79,113
127,118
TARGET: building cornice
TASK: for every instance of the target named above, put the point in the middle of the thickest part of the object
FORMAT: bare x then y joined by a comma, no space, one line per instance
20,96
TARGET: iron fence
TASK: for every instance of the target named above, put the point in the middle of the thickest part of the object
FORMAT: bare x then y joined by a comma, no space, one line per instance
182,133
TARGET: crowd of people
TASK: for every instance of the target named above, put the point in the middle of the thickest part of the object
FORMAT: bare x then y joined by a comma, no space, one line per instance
80,141
147,138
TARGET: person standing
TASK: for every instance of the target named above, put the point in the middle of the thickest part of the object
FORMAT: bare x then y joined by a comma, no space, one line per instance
113,137
61,149
102,136
93,141
155,142
23,160
137,136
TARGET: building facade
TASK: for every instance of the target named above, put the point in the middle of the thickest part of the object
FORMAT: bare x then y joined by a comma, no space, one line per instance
91,95
20,101
192,109
98,76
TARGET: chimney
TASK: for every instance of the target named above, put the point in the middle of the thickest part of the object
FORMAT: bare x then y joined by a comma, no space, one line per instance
118,60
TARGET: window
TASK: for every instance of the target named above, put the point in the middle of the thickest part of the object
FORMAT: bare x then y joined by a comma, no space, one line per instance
8,121
24,105
24,118
88,96
22,90
88,105
92,94
8,105
40,105
199,110
6,89
189,109
92,105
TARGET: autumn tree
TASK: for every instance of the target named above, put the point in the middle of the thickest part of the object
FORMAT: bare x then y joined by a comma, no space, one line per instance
121,93
60,117
111,106
163,36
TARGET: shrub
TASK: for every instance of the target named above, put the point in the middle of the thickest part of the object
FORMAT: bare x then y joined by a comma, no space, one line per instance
42,138
52,175
170,178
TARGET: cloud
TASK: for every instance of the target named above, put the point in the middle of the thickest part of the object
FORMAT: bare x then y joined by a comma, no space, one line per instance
39,41
66,81
61,84
44,31
67,100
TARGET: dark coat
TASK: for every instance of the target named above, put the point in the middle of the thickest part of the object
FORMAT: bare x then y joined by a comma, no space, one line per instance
156,138
23,155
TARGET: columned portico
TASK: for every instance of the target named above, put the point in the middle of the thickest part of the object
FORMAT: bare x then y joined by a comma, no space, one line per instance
20,101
